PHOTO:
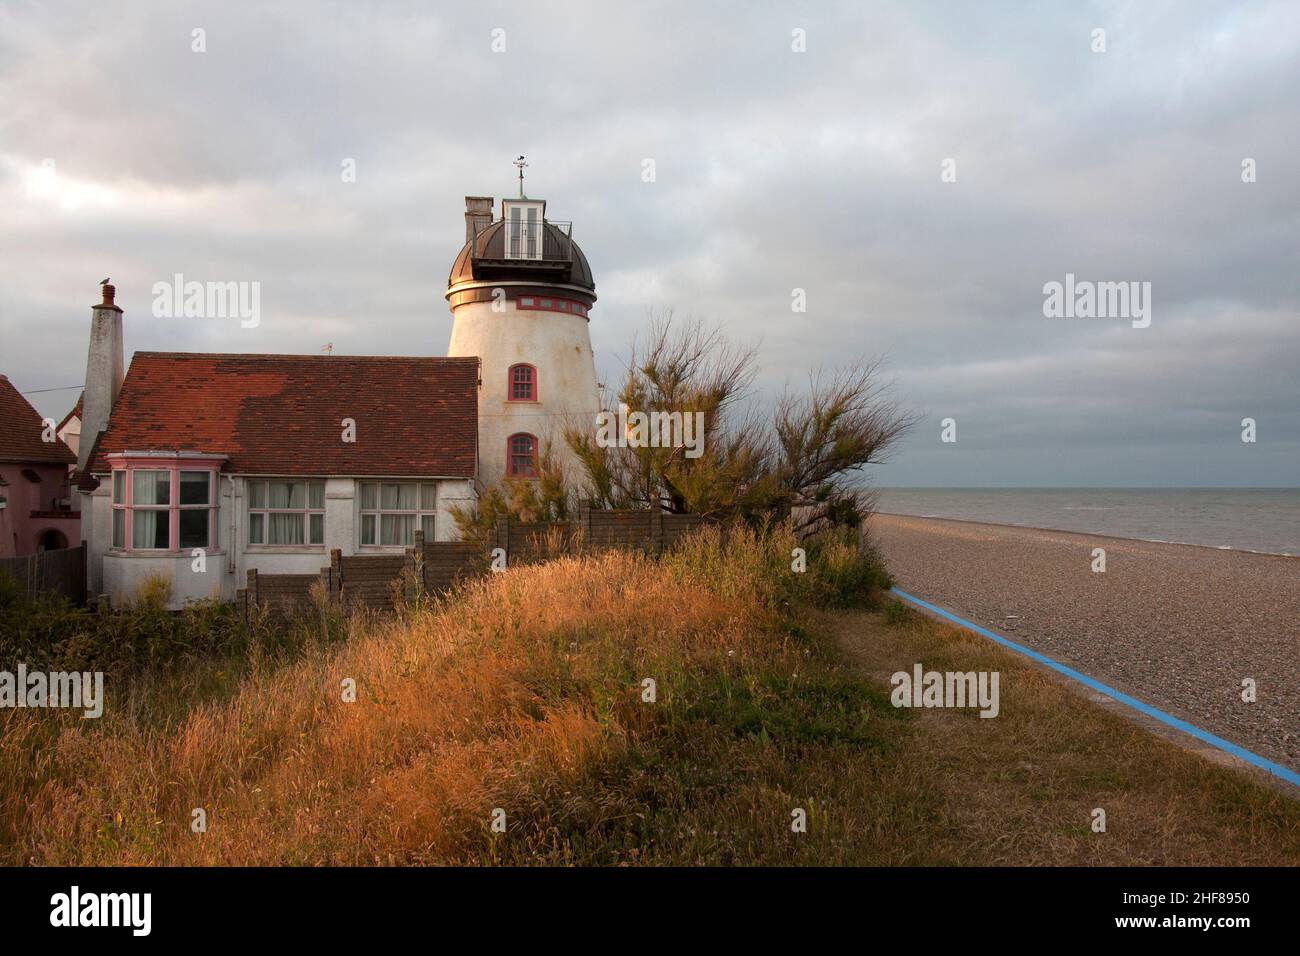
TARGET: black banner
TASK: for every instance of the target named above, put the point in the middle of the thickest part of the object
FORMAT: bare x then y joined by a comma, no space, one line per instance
922,905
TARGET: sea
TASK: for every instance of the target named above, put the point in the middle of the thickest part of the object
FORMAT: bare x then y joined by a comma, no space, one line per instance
1248,519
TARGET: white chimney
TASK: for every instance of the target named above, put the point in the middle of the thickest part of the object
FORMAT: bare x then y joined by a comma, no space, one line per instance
105,366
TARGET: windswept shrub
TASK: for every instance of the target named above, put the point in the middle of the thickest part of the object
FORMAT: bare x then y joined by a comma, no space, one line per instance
739,560
844,574
897,613
50,633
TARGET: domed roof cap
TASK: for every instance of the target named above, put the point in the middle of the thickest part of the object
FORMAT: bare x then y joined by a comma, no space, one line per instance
483,258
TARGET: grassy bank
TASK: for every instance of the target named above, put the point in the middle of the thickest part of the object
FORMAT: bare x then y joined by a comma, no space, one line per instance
1021,789
526,693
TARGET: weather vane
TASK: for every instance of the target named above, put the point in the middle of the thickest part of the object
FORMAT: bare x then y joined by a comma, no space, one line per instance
521,163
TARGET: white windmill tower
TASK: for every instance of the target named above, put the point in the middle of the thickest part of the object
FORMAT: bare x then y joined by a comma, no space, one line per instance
521,294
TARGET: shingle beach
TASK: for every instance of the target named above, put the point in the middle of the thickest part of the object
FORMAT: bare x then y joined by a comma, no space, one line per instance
1176,626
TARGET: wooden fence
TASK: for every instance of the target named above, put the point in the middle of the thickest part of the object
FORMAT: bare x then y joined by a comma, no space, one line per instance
375,580
61,571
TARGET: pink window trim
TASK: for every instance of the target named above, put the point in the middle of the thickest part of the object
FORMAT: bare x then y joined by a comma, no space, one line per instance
127,465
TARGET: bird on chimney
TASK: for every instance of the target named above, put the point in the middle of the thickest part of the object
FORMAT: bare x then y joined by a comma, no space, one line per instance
103,281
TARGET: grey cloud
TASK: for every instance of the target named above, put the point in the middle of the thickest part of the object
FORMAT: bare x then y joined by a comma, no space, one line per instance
775,170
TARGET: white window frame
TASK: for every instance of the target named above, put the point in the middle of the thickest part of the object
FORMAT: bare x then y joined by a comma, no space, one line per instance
308,510
524,208
376,514
210,507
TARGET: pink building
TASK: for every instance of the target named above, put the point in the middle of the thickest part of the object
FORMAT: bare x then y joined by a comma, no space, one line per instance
35,502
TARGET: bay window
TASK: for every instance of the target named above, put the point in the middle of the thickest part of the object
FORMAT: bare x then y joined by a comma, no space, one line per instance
286,512
119,511
160,504
150,509
193,509
392,510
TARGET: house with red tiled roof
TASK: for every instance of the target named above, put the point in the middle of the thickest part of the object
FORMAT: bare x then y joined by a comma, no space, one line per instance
213,464
199,467
35,502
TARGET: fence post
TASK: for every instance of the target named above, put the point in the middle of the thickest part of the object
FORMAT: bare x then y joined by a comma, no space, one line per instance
251,592
336,571
656,529
503,535
575,529
584,522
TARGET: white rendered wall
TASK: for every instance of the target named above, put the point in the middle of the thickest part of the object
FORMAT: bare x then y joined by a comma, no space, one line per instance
191,579
125,572
71,434
96,532
104,371
342,516
452,494
558,345
120,574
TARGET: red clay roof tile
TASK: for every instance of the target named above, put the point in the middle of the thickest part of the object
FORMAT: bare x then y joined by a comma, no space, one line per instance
283,414
21,427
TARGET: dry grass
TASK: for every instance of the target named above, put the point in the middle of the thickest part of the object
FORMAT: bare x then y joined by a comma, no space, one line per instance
1020,789
508,696
524,692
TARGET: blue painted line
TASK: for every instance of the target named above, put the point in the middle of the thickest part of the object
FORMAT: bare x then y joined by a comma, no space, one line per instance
1290,776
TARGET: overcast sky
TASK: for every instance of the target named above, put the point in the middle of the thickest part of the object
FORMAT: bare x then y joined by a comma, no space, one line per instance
124,153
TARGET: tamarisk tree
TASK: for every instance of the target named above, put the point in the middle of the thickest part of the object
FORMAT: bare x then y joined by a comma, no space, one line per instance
804,460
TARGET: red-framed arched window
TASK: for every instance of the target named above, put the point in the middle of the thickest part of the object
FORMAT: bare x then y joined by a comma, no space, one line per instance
521,456
523,383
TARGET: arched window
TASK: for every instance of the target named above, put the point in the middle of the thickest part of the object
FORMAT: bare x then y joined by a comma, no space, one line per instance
521,456
523,383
